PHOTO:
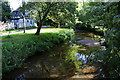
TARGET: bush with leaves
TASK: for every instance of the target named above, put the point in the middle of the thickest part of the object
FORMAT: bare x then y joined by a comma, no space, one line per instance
104,14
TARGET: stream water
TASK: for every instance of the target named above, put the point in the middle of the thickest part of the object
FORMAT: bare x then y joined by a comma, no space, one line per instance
67,61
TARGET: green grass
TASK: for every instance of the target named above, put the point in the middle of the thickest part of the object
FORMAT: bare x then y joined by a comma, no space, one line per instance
25,45
19,36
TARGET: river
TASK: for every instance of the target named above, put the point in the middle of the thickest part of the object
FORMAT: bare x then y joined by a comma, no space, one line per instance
71,60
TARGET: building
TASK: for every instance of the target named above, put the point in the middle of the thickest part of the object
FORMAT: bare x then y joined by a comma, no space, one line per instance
17,19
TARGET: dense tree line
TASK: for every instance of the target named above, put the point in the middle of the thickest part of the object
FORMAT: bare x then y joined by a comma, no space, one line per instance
107,15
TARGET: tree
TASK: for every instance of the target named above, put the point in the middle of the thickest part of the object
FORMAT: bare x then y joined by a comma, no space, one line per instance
42,9
53,10
23,15
107,14
6,11
64,13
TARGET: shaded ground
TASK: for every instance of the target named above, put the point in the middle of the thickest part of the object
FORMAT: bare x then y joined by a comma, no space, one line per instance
58,63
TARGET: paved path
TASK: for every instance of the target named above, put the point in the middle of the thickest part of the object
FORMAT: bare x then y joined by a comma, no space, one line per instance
33,30
21,31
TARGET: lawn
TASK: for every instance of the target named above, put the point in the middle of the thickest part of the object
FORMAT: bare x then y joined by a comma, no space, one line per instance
29,33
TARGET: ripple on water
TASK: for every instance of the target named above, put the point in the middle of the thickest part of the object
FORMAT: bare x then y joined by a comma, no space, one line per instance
89,42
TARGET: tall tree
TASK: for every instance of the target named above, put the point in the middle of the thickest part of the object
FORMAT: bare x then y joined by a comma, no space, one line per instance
64,13
6,11
107,14
23,15
56,10
42,9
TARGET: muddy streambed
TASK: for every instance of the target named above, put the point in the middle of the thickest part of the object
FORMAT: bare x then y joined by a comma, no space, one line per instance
67,61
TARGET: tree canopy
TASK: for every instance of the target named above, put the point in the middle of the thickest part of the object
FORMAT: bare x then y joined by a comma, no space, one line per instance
107,15
6,11
59,12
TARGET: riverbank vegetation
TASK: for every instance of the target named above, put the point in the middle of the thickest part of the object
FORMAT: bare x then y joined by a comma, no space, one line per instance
25,45
104,18
101,18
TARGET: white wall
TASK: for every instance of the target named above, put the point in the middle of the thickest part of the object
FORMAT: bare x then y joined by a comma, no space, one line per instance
29,23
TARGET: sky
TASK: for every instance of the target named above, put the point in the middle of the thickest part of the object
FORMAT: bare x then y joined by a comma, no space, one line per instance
14,4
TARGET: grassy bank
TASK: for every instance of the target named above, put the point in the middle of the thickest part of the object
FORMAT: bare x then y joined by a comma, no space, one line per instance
21,46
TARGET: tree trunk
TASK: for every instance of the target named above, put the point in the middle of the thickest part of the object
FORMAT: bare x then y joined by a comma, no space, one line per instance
23,15
39,27
119,7
42,20
24,23
58,24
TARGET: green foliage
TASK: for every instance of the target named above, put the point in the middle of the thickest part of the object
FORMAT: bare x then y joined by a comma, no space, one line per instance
70,56
90,17
15,52
6,11
80,26
59,12
87,27
63,13
107,15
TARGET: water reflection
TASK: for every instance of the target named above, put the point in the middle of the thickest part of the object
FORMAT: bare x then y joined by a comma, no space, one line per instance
81,57
54,64
20,77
